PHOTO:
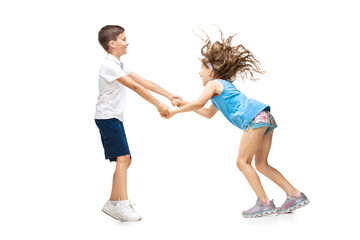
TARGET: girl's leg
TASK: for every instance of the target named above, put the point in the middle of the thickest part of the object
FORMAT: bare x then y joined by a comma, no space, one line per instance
263,167
119,186
250,143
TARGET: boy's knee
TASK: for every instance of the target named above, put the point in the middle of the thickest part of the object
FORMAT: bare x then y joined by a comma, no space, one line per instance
123,159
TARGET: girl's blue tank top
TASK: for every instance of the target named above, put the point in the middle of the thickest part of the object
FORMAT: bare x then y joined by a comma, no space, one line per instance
236,107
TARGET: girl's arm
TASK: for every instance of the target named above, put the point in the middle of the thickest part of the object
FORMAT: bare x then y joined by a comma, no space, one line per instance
205,112
200,102
152,86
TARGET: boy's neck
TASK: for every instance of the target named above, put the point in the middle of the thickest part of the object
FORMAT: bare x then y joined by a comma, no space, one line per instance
115,55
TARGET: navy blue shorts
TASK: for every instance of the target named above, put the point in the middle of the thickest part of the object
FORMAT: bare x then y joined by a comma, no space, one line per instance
113,138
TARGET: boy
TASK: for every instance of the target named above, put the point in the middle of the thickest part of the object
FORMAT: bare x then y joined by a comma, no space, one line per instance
114,78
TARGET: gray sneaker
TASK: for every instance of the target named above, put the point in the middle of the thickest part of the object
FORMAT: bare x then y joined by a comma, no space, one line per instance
260,209
292,203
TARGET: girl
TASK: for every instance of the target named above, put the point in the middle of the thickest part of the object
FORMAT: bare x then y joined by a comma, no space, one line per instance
220,66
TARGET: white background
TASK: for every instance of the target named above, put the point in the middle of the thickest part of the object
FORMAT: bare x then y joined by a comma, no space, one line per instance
54,179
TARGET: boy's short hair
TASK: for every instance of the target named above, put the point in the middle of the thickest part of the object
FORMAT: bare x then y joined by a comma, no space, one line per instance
108,33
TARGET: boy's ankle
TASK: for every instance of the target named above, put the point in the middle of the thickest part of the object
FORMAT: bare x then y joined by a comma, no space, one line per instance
119,202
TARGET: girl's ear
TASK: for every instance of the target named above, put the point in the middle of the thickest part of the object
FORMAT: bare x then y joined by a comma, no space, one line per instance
211,73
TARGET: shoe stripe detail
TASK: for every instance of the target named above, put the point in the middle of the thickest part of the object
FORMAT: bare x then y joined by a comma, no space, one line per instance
271,211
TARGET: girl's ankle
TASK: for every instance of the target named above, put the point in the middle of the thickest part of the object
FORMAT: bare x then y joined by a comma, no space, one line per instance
265,202
295,194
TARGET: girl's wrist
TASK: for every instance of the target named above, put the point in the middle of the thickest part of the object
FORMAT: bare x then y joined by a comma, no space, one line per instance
175,111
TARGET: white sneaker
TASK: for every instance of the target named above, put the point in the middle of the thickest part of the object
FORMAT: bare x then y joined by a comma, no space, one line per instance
124,213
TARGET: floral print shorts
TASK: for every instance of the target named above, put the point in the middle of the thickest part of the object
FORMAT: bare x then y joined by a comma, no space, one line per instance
263,119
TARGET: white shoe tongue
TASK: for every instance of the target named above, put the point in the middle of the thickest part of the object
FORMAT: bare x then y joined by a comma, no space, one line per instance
123,203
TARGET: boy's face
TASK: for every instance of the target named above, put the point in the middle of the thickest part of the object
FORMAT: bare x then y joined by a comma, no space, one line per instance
205,73
120,45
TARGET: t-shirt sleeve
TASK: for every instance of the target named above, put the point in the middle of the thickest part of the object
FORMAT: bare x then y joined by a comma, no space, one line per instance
111,71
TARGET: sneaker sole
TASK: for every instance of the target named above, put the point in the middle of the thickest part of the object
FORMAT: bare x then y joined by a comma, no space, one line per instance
292,209
121,219
256,215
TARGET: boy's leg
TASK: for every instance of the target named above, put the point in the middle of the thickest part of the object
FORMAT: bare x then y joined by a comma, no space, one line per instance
123,211
263,167
119,186
250,142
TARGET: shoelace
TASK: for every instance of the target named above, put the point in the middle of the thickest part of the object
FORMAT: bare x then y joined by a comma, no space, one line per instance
132,204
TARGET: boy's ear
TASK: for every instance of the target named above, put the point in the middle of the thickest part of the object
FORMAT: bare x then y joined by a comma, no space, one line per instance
111,44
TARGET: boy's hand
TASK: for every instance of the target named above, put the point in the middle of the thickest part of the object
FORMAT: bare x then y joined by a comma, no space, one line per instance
163,110
179,103
174,98
171,113
176,102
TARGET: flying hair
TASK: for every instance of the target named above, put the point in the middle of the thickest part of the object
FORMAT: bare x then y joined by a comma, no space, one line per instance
229,62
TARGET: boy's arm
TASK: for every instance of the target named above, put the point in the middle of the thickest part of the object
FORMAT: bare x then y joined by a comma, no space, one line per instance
130,83
152,86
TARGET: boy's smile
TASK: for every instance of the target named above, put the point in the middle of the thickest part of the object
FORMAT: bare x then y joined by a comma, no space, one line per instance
119,47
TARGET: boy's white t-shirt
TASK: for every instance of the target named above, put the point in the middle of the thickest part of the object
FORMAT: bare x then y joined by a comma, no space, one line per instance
112,94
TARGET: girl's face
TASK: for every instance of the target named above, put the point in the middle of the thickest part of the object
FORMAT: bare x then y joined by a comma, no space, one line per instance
206,74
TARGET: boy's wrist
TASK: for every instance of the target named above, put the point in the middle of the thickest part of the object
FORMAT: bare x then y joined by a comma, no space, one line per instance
159,105
171,96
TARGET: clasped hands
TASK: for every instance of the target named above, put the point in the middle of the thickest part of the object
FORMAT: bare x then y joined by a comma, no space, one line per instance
165,111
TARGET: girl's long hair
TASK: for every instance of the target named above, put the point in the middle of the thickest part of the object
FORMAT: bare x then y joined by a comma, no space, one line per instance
229,62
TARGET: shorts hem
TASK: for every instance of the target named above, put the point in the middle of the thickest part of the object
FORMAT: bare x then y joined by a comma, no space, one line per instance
259,125
113,159
270,128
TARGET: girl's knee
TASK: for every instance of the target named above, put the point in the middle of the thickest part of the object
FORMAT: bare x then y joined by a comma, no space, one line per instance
261,166
242,163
